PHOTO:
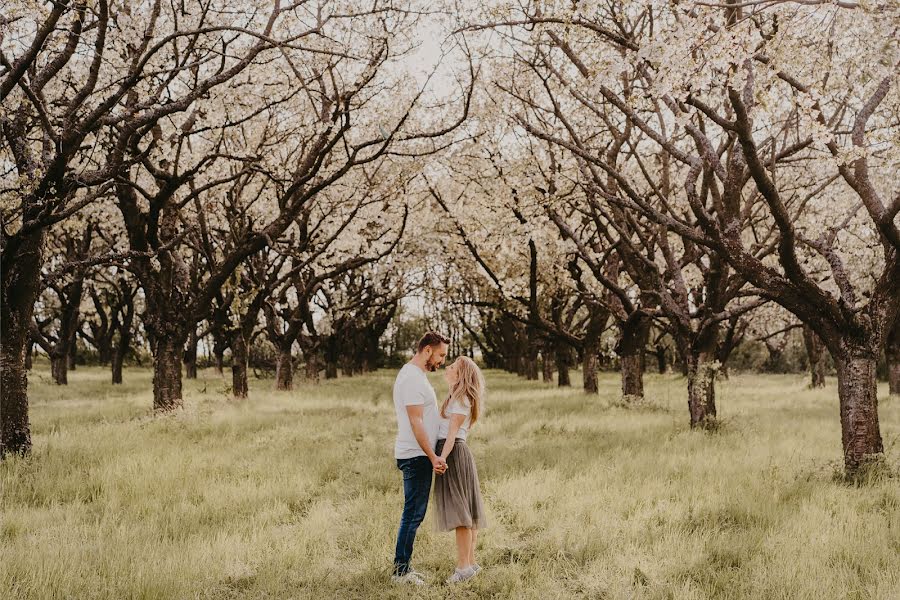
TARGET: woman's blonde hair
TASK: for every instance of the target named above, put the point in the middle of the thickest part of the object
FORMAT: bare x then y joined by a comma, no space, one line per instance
468,389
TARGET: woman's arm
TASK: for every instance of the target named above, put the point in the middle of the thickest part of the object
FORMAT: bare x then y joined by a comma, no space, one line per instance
415,421
456,422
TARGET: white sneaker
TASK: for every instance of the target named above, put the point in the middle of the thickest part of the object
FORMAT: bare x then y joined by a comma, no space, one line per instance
411,578
461,575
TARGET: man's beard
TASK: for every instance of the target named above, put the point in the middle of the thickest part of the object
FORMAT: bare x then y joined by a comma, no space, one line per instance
430,366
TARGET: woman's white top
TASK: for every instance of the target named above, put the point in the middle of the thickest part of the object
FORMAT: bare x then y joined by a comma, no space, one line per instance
456,408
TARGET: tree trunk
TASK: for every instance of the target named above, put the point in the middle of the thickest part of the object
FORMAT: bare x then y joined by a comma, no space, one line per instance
59,369
371,352
239,384
589,370
815,353
531,369
858,394
521,366
892,357
312,367
220,361
190,368
331,371
104,352
633,335
894,375
284,371
167,373
19,292
702,391
681,357
632,378
72,355
604,362
546,367
16,429
120,351
531,358
190,356
29,355
564,379
774,362
661,363
117,360
723,374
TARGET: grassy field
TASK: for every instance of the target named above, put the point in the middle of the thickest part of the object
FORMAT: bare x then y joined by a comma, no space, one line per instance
296,495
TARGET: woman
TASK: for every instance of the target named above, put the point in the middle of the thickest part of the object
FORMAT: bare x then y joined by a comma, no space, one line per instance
456,493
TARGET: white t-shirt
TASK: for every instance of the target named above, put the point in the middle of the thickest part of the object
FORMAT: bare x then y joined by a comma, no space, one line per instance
456,408
412,388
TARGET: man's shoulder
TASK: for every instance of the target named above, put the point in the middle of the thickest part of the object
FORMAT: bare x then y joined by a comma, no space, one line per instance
404,372
408,376
412,371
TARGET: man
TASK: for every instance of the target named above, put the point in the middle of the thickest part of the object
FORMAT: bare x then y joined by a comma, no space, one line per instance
418,420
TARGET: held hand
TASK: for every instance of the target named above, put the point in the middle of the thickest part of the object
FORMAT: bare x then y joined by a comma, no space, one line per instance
439,464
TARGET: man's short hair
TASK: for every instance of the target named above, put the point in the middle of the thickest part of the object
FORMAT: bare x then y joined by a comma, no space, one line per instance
432,338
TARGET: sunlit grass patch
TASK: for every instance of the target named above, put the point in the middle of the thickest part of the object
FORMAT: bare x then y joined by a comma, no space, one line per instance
296,495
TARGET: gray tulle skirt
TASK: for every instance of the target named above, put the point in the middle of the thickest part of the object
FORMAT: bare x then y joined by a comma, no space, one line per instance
457,493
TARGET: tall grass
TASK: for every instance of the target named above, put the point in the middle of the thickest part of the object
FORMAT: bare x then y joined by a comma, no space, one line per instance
296,495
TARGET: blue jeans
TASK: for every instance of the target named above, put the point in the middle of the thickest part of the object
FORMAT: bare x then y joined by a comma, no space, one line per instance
416,489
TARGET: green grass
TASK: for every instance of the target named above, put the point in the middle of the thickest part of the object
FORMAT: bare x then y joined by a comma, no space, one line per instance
296,495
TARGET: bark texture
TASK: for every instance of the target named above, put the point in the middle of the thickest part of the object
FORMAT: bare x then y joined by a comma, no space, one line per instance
633,337
892,357
190,356
240,386
815,353
20,290
546,367
702,391
312,367
117,360
858,394
589,371
564,379
661,363
284,371
632,378
167,373
331,371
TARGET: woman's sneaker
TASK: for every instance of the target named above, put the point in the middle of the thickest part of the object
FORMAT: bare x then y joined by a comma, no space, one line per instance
410,578
461,575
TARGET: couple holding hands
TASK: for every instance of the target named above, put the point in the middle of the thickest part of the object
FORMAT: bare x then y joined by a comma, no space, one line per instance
431,439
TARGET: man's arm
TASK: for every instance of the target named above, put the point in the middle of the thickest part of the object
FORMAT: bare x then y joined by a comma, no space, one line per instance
415,412
456,421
